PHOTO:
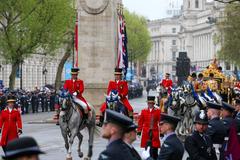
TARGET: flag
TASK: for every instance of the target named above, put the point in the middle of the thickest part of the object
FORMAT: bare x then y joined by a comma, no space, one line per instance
122,61
232,149
76,43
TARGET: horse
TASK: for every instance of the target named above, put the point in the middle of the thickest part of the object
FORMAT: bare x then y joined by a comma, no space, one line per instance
72,122
186,108
113,102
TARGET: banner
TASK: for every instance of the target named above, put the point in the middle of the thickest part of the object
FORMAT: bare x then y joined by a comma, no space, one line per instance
67,70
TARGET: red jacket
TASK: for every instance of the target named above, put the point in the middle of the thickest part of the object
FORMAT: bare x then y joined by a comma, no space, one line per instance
167,83
75,86
144,125
122,88
10,122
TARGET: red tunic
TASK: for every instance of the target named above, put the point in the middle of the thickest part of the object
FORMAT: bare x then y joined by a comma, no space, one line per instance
10,122
167,83
122,88
144,125
75,86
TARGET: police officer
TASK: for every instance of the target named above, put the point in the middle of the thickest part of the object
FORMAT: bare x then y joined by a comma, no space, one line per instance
24,148
129,137
227,115
199,146
216,129
114,128
237,118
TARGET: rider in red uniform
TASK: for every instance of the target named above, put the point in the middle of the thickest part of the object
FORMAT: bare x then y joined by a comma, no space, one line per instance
167,83
76,87
122,87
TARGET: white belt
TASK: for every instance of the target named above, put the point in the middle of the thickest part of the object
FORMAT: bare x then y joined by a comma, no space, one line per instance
238,134
226,138
217,146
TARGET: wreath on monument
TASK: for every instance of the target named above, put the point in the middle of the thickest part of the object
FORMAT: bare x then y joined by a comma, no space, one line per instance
91,10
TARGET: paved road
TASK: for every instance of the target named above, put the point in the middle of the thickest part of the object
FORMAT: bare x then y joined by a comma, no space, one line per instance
51,141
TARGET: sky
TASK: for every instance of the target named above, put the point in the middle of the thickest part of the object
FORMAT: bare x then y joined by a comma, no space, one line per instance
152,9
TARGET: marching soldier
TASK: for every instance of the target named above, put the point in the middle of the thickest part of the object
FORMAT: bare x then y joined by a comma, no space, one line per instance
129,137
167,83
113,130
76,87
216,129
211,83
148,127
122,87
237,118
199,145
227,115
10,123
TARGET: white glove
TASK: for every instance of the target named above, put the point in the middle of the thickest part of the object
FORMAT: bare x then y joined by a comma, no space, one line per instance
146,153
75,93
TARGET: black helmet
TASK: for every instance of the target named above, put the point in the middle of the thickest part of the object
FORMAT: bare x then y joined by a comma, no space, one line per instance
201,117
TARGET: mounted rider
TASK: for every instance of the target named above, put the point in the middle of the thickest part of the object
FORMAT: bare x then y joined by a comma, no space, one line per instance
167,83
122,87
75,87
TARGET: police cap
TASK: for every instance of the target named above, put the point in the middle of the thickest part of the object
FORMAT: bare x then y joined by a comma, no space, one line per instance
228,107
214,105
20,147
169,119
201,117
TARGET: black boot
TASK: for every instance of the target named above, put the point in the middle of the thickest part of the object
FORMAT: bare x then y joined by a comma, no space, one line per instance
100,123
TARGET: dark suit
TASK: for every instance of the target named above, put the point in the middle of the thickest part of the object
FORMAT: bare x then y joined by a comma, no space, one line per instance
217,131
227,121
134,153
237,120
171,149
116,150
200,147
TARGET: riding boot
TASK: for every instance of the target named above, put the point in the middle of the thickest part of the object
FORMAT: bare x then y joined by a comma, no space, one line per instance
130,114
101,119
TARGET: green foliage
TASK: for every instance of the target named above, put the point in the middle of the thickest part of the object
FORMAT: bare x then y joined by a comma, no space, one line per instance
230,32
139,41
33,26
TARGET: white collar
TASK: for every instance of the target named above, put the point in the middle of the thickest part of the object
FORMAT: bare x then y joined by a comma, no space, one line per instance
10,110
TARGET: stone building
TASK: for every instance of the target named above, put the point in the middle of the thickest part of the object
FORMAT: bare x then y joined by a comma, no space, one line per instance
195,32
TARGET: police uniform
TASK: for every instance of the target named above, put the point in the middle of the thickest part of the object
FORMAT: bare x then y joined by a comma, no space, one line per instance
199,146
24,146
117,149
237,120
171,148
129,146
216,130
227,121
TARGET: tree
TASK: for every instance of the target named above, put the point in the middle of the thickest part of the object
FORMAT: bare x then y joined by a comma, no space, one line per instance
32,26
230,34
139,41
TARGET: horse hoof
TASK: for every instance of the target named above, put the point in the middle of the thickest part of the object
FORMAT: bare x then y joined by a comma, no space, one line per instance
80,154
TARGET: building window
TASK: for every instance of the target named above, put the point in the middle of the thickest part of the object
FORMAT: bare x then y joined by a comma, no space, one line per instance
173,68
196,4
174,56
174,42
227,65
173,30
189,4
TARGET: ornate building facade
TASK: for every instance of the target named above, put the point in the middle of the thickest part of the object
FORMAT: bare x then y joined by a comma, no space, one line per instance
196,33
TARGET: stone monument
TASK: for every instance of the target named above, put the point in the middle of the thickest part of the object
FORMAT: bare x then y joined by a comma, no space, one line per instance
97,46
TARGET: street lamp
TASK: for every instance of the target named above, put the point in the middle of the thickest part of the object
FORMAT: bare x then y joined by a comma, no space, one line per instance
45,75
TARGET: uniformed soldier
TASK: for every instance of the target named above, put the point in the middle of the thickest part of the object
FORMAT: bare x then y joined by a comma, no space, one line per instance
227,115
129,137
237,118
148,127
216,129
171,148
199,146
114,128
211,83
24,148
